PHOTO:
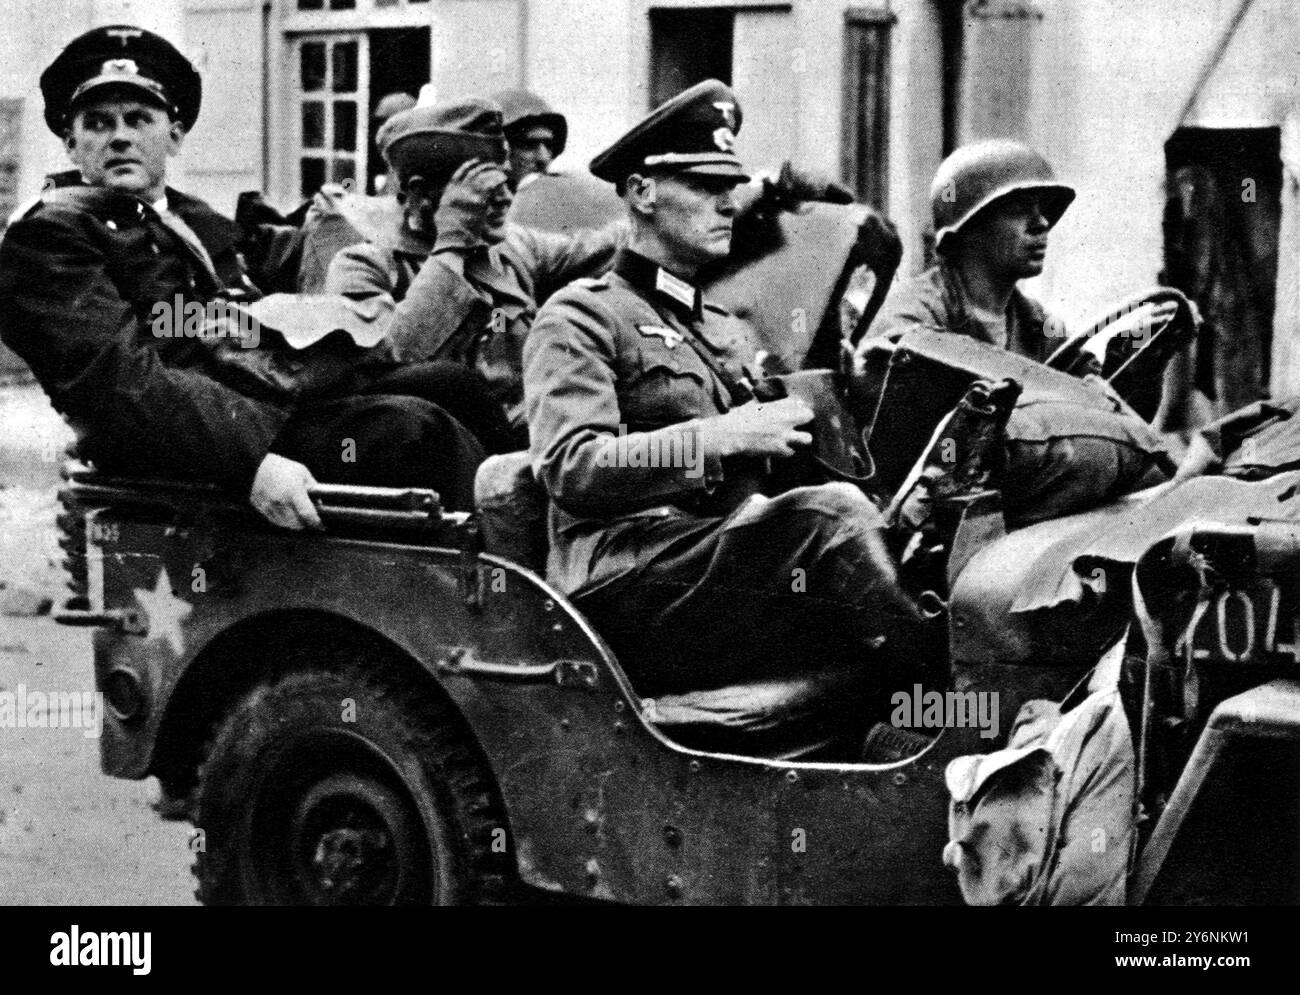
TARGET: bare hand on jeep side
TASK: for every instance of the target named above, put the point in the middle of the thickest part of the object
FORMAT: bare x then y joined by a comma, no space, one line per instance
758,428
280,493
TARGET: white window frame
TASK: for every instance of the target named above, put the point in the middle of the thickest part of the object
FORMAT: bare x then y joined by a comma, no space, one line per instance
328,97
291,27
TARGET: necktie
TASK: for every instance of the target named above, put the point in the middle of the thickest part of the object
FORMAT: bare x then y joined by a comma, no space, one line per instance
174,224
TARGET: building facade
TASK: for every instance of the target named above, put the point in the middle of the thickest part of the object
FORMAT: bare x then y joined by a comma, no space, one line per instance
874,92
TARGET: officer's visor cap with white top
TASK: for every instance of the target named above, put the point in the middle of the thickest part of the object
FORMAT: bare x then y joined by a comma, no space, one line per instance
123,57
694,132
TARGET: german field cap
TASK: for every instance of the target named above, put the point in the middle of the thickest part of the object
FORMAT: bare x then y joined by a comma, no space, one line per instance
437,139
393,103
521,109
693,132
123,57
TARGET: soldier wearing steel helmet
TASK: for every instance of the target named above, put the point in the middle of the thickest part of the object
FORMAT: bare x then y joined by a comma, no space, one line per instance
535,131
994,204
650,444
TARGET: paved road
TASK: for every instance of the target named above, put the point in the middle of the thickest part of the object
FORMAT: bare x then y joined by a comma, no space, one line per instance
68,834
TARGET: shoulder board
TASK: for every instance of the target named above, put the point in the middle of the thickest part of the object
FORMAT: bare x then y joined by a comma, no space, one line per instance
102,204
717,309
591,282
25,208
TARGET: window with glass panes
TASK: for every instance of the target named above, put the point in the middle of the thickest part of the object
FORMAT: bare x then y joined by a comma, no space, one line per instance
332,74
344,55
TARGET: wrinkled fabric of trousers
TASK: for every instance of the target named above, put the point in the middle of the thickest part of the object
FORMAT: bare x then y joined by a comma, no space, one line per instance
426,425
779,586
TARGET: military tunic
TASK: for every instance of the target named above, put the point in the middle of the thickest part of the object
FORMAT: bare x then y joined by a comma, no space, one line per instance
80,275
1061,456
480,318
652,537
935,300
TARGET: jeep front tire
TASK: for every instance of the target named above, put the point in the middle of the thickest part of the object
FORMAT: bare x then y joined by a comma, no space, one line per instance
343,787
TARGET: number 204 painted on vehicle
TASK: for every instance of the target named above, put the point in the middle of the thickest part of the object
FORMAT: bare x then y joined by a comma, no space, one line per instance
1257,623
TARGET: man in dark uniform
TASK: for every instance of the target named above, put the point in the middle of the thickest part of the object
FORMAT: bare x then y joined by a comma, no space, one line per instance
83,272
457,281
650,446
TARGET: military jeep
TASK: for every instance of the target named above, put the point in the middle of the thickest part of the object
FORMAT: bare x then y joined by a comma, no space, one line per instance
402,710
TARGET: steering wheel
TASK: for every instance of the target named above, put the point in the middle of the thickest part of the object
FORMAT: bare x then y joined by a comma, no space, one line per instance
1135,346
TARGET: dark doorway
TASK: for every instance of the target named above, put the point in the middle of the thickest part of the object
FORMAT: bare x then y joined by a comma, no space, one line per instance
864,152
687,46
952,33
1221,249
399,63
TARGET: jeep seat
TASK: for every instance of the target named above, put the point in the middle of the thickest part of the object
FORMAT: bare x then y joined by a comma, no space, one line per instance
512,510
784,718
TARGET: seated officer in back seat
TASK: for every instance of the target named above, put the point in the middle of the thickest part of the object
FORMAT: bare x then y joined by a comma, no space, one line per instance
84,271
650,446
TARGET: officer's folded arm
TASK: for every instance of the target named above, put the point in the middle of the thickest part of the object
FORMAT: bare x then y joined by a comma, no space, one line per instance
98,372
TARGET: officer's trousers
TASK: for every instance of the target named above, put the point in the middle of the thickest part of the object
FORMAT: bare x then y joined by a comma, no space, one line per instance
422,425
782,585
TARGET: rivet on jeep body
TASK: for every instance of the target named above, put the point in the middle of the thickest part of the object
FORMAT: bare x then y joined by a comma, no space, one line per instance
791,776
673,886
900,779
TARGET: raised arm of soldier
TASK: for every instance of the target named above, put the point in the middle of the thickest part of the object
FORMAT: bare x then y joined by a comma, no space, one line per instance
456,281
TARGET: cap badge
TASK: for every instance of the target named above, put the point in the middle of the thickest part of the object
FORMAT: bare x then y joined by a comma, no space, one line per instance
728,110
724,139
117,67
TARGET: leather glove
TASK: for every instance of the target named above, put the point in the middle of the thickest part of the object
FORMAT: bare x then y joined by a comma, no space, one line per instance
461,218
794,185
879,246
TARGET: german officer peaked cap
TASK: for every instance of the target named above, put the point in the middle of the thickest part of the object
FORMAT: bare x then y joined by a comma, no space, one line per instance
694,132
121,56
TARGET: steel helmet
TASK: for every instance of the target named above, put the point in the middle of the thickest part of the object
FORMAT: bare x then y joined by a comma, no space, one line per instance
976,175
520,108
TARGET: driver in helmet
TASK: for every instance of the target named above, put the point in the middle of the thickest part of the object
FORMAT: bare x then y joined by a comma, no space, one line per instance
994,204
